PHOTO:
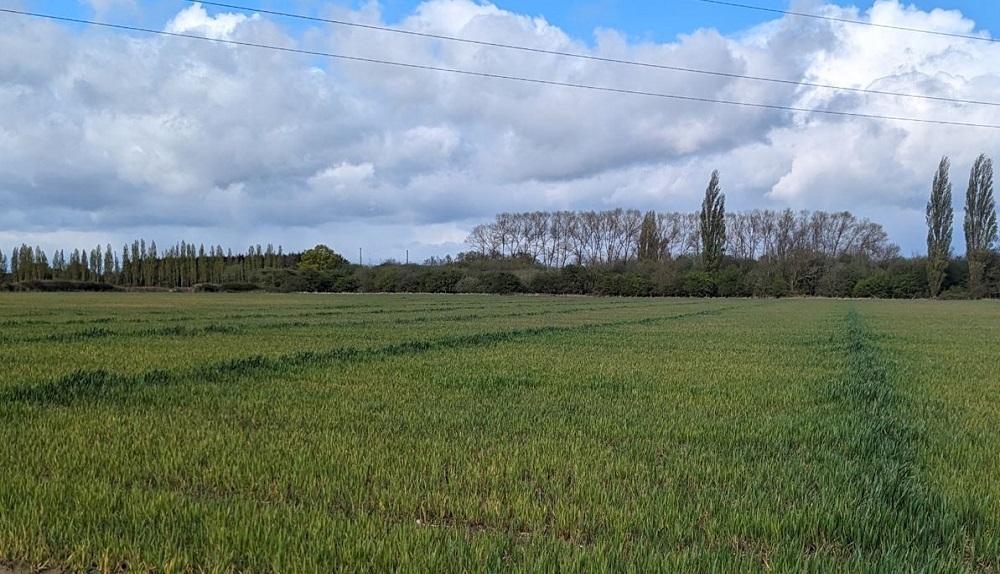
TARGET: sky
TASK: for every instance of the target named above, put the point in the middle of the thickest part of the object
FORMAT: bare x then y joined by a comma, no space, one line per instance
108,135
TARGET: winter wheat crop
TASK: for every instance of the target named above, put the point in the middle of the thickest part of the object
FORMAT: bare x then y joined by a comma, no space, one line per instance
266,433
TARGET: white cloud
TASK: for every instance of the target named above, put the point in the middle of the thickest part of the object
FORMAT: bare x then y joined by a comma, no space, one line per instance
343,178
195,20
120,136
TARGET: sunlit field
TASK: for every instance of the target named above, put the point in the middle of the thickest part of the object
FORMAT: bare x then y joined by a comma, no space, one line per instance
312,433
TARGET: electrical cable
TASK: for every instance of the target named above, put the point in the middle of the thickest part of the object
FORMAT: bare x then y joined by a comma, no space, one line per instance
588,56
499,76
848,21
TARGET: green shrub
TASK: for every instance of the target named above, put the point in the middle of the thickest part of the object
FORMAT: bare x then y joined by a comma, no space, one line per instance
954,293
439,280
730,283
501,283
239,287
700,284
468,284
64,286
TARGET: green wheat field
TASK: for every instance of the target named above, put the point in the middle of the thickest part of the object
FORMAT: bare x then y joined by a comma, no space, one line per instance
307,433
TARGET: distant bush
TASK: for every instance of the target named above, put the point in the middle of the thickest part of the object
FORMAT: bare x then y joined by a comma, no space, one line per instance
549,283
238,287
385,279
392,277
840,279
699,284
345,283
877,286
910,285
468,284
624,285
62,286
440,280
954,293
501,283
730,282
578,280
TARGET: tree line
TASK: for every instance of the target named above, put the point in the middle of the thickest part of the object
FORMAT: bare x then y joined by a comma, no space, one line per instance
619,236
763,252
144,265
615,252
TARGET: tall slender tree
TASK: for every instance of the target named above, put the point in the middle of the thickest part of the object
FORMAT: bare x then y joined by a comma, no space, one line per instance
980,222
649,238
41,264
940,218
15,263
96,264
59,264
85,273
713,224
3,264
149,268
109,265
126,266
26,263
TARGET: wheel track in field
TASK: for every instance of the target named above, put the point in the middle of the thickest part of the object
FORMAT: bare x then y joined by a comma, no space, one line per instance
100,332
896,515
329,311
102,385
346,310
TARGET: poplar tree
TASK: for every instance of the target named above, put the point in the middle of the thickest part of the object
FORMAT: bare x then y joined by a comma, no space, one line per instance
940,217
26,263
980,222
126,266
15,261
59,264
96,264
41,264
109,265
649,238
713,225
150,263
84,265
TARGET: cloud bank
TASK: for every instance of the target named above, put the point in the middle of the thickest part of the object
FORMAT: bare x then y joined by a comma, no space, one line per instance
106,136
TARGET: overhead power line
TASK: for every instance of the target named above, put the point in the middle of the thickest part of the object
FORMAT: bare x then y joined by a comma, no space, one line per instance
849,21
589,56
498,76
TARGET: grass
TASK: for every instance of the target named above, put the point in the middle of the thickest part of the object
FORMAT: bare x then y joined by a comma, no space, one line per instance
264,433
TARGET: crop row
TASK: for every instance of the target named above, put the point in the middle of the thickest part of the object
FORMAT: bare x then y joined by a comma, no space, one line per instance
101,384
36,362
239,329
35,331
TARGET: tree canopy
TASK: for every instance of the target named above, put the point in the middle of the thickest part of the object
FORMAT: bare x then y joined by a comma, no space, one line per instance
980,221
940,216
321,258
713,225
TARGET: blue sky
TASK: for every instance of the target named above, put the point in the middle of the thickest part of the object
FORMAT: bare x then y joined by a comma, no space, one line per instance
640,21
662,21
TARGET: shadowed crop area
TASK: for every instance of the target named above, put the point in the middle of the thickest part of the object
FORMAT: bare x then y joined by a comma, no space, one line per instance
304,433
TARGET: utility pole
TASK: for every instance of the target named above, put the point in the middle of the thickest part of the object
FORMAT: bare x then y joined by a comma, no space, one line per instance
360,264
